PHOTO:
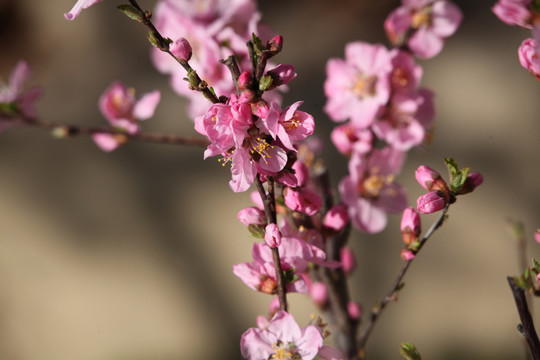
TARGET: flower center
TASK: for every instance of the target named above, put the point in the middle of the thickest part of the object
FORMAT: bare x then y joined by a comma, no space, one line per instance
371,186
364,86
258,148
292,123
399,77
421,18
268,285
284,351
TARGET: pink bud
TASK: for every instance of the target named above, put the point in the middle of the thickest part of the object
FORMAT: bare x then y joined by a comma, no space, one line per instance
407,255
472,181
272,236
303,200
318,293
538,278
274,306
354,309
281,75
537,235
429,178
244,80
251,216
431,202
301,172
411,225
336,218
348,260
181,49
275,44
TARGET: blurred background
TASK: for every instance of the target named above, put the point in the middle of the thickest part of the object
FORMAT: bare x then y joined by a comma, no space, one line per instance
129,255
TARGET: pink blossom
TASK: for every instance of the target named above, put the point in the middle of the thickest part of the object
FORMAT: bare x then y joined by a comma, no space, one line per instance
123,111
411,225
431,202
272,236
290,125
318,293
347,259
358,86
251,216
529,57
78,7
407,255
537,235
430,22
336,218
303,200
370,191
181,49
514,12
301,172
13,100
348,139
406,74
430,179
282,338
354,309
261,276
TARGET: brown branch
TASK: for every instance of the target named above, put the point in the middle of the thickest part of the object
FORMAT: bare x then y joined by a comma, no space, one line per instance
527,326
390,296
269,202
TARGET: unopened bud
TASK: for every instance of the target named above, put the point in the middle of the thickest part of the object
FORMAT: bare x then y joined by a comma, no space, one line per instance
430,179
431,202
272,236
244,80
348,260
181,49
336,218
472,181
318,293
406,255
354,309
275,44
411,225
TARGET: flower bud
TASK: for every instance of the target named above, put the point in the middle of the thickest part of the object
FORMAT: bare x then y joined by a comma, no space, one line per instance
431,202
275,44
348,260
336,218
430,179
354,309
303,200
244,80
318,293
181,49
406,255
251,216
537,235
411,225
281,75
272,236
472,181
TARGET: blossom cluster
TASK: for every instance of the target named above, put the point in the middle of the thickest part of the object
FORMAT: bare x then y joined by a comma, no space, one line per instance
525,14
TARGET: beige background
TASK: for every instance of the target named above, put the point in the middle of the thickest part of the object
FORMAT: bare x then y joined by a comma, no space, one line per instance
128,255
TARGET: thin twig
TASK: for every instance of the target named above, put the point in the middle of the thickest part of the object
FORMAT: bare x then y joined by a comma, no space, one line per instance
396,285
527,326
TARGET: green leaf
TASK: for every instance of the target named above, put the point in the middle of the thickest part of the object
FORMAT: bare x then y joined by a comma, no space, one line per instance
257,44
131,12
154,40
457,176
409,351
265,82
256,231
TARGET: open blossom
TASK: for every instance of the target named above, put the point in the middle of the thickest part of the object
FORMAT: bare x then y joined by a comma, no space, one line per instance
430,21
78,7
13,100
282,338
514,12
370,191
358,86
123,111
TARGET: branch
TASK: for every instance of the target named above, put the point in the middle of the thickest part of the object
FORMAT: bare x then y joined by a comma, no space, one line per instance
527,326
397,284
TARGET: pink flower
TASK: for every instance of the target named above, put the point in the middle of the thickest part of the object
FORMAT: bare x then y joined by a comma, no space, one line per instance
430,179
370,191
120,107
78,7
281,339
513,12
272,236
354,309
411,225
406,74
430,22
336,218
529,57
407,255
358,86
290,125
347,259
431,202
537,235
251,216
303,200
181,49
13,100
318,293
348,139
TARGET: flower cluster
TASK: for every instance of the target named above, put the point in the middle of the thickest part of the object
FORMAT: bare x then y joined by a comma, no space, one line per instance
525,14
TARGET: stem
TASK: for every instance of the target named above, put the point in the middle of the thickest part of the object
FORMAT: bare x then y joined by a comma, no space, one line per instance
397,284
75,130
527,326
269,202
195,81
